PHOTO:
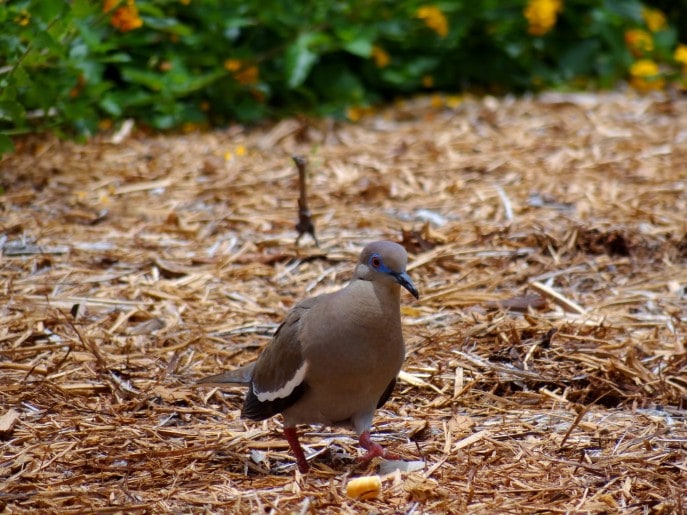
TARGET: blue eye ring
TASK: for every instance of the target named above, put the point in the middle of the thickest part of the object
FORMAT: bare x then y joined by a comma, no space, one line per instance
376,263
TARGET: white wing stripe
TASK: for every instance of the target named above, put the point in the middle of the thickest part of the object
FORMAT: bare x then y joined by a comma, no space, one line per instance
285,390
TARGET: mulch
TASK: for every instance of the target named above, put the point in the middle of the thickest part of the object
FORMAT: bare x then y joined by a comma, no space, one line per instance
546,367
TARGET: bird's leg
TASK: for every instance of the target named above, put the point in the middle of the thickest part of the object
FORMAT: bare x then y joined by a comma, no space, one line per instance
291,435
373,449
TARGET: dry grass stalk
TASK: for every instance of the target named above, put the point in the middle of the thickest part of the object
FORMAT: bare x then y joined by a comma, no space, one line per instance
131,268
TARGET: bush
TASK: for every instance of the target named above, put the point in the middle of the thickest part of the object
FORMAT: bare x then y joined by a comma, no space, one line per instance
77,66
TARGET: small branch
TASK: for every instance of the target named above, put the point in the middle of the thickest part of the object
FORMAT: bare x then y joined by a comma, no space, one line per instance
305,223
567,304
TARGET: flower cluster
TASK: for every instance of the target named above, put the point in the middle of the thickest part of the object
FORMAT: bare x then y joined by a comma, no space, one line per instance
541,15
125,17
380,56
639,42
434,18
645,75
650,70
244,73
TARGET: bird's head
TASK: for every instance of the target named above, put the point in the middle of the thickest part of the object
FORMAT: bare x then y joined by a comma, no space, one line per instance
385,261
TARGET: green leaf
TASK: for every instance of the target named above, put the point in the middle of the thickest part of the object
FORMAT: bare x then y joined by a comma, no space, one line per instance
110,105
300,58
6,145
44,41
192,83
167,25
579,59
47,10
8,92
357,40
12,111
152,80
84,8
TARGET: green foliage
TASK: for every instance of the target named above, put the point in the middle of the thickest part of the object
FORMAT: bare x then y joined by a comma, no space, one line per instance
75,66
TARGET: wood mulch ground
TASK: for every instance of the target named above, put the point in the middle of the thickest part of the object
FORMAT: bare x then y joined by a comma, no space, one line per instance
546,366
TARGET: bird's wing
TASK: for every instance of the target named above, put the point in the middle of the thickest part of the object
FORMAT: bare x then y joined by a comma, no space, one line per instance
387,393
238,376
279,376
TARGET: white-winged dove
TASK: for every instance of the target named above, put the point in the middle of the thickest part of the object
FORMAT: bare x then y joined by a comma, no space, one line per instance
335,357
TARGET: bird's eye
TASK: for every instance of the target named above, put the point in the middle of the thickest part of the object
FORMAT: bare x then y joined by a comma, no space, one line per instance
375,261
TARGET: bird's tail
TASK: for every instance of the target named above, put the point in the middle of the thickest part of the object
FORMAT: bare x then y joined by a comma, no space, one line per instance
240,375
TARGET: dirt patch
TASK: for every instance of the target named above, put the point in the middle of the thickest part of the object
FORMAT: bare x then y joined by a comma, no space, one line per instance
546,355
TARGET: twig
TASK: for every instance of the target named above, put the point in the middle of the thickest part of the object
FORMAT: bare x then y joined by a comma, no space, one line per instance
305,223
567,304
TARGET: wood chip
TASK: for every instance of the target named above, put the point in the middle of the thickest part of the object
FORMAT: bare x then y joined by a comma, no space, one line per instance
7,421
546,361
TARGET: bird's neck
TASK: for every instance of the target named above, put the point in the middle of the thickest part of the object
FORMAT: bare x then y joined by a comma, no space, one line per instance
377,299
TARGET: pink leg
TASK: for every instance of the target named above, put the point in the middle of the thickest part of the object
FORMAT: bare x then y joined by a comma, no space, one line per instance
373,449
292,437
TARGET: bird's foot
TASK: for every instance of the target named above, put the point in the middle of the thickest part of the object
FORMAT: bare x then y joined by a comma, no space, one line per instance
374,450
291,435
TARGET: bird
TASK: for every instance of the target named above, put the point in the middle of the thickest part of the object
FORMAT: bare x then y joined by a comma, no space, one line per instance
335,357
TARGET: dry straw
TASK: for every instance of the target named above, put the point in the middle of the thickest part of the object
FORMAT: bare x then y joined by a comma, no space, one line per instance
546,365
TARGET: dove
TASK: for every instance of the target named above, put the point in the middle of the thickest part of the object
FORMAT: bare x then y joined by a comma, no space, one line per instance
335,357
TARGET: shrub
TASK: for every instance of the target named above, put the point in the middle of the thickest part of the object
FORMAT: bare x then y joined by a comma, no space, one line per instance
77,66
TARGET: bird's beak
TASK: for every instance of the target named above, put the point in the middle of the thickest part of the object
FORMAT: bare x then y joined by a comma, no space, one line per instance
404,280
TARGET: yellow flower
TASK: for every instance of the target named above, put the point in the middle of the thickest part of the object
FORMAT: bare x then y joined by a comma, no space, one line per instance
680,54
24,18
541,15
108,5
125,18
380,56
433,18
436,101
646,76
654,18
644,68
354,113
188,127
243,73
639,41
453,101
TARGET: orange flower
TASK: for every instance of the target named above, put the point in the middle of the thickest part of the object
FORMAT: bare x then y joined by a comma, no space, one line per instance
639,41
108,5
436,101
645,75
126,18
380,56
243,73
76,90
433,18
356,113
